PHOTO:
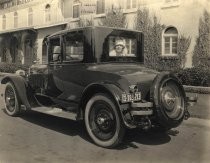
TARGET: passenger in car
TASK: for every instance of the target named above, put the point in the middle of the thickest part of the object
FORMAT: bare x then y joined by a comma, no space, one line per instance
119,49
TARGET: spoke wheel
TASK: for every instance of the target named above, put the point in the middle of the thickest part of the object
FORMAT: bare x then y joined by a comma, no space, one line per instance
11,100
102,121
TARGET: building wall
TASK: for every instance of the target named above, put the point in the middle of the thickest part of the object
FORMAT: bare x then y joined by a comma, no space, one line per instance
40,26
39,13
182,14
185,17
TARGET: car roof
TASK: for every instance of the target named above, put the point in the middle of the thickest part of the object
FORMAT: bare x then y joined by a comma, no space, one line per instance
90,27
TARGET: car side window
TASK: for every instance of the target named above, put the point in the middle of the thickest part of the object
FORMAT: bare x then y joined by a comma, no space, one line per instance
55,50
74,47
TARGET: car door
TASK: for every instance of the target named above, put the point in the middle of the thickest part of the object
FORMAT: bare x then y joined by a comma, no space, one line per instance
55,87
73,66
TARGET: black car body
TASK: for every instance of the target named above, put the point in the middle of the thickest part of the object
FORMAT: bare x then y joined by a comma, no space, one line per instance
110,92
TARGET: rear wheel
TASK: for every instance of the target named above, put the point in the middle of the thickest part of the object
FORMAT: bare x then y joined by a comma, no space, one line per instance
12,105
103,122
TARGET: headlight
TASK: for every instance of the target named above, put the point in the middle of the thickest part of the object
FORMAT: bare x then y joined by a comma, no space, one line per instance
133,88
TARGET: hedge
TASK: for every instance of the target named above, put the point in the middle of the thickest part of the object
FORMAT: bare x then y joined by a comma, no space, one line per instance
12,67
195,76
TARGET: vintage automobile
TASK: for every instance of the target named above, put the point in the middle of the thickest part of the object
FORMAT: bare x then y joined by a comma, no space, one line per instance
108,90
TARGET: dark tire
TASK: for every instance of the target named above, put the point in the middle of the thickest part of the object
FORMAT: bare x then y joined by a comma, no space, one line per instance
103,121
172,105
12,103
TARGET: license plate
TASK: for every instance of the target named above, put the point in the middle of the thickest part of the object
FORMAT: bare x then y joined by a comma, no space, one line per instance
131,97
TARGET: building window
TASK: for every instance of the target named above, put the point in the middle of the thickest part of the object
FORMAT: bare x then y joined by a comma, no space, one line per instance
4,21
76,10
100,9
15,20
170,39
47,13
30,17
131,4
171,3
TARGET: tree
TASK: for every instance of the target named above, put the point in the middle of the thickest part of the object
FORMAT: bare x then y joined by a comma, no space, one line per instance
114,18
152,30
202,48
182,47
84,22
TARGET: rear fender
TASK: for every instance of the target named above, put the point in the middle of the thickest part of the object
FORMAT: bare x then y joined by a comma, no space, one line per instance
112,90
24,92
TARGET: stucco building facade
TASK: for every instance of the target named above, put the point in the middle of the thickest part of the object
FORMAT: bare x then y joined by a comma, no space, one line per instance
25,23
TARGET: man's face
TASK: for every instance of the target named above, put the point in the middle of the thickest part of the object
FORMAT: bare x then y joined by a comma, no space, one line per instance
119,48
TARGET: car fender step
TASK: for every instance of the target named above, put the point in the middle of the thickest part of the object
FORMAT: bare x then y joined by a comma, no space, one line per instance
55,112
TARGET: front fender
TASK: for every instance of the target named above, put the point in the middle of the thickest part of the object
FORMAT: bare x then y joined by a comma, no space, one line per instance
24,91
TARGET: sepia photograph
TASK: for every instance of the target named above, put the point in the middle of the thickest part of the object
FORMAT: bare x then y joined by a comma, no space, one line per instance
104,81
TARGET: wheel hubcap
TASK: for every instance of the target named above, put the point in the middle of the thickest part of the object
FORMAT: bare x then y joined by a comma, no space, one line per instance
172,100
102,121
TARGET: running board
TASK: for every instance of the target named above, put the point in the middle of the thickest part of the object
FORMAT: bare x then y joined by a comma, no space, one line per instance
55,112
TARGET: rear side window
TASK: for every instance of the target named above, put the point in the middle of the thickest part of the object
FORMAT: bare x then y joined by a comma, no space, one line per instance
74,47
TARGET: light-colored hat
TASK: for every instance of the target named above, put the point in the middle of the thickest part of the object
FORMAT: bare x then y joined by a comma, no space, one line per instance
120,42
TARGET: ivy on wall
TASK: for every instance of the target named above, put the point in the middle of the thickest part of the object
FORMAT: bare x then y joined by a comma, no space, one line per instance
152,29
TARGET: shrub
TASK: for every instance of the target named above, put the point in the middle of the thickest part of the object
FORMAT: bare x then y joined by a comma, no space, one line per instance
196,76
12,67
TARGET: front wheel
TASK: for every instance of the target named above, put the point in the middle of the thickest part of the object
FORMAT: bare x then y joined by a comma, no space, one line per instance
12,105
102,120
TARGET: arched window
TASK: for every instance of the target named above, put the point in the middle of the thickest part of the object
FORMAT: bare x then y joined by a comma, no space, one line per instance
4,21
170,39
47,13
30,17
15,19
